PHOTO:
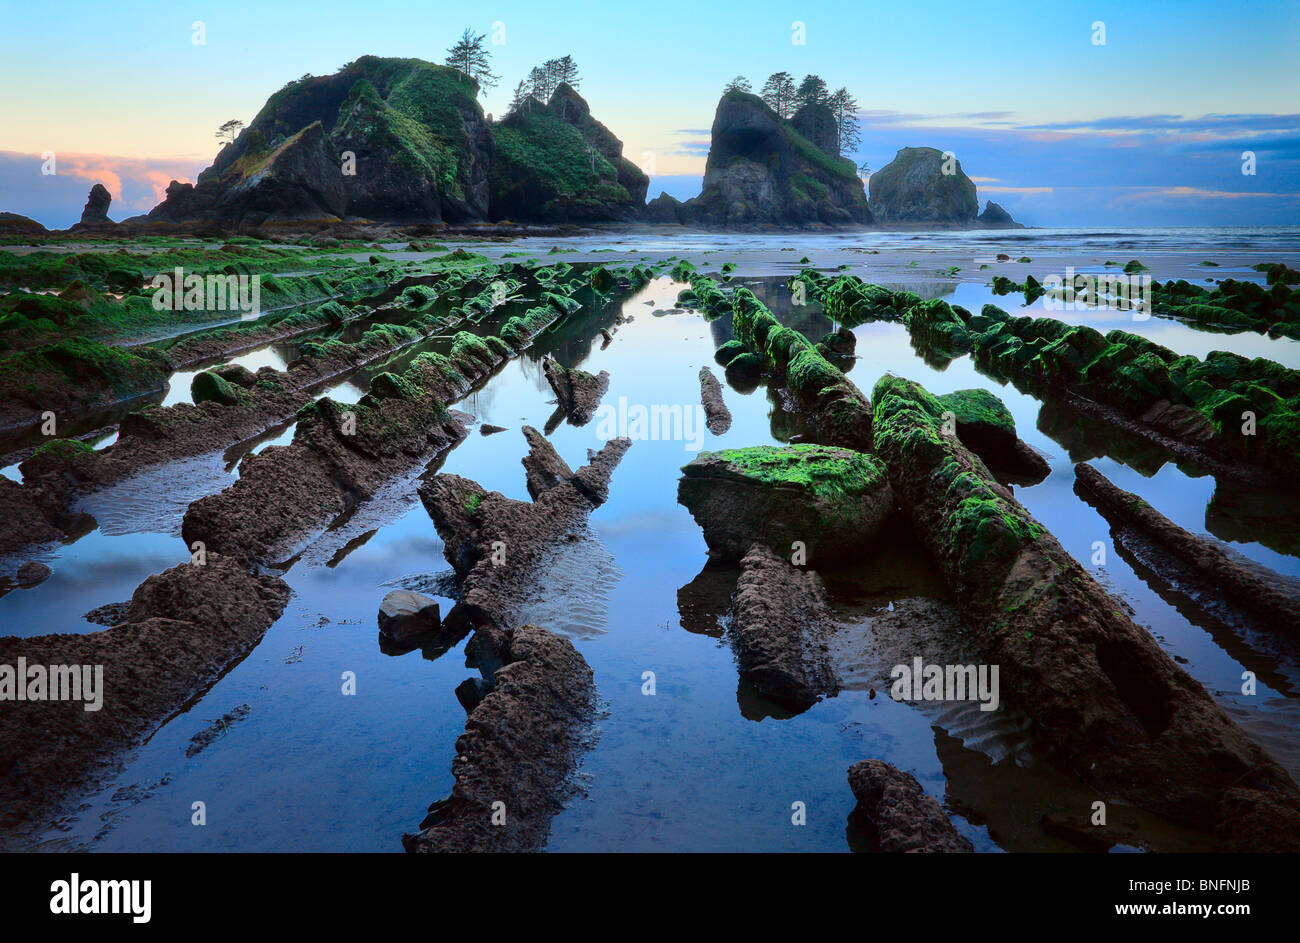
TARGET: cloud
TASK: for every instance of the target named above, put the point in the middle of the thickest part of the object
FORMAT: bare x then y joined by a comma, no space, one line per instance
135,184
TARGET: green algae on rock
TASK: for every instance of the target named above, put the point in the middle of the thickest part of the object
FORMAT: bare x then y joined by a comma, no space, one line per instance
831,501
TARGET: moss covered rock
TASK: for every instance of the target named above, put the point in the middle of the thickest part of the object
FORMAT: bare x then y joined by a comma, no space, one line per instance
832,500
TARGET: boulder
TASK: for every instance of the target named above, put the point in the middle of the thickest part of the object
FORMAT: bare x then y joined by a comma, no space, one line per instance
912,188
832,500
406,615
32,574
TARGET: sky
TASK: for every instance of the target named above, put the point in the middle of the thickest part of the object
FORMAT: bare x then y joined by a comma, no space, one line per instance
1145,129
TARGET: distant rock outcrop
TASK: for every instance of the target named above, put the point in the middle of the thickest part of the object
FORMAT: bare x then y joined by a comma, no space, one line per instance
665,208
396,140
922,185
995,217
97,203
926,185
555,163
762,170
13,224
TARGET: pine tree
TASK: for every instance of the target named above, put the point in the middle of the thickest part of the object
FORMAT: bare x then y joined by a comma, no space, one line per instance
738,84
567,72
230,130
778,93
520,99
845,108
811,91
471,59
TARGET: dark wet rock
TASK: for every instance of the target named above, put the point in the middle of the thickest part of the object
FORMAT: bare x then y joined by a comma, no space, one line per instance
665,208
520,745
489,429
96,211
109,614
995,217
498,545
578,392
32,573
828,502
405,615
1104,700
201,740
716,414
913,188
782,622
15,224
902,817
237,374
762,170
184,627
1270,597
342,454
987,428
471,692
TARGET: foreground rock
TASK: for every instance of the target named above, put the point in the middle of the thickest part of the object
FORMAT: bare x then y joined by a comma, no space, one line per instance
717,417
902,817
520,745
405,616
831,502
577,392
496,545
1104,700
783,619
1271,598
182,630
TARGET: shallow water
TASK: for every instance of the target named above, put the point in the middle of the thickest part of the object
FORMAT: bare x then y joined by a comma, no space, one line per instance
702,764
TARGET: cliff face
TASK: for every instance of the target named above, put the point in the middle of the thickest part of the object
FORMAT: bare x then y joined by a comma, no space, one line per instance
914,188
419,145
762,171
555,163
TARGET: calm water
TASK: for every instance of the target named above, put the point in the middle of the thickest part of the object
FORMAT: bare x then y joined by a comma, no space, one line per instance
703,764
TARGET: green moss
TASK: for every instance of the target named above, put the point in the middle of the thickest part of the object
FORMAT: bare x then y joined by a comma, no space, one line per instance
830,473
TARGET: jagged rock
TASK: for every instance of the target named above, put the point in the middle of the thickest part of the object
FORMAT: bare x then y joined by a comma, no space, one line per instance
995,217
96,211
832,501
405,615
577,392
782,622
521,742
900,814
913,188
761,170
481,530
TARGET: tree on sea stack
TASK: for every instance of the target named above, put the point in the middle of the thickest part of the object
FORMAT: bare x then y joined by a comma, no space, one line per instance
812,91
845,108
738,84
470,58
521,100
566,71
778,93
230,130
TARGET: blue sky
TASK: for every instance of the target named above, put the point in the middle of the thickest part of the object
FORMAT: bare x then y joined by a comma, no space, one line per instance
1147,129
